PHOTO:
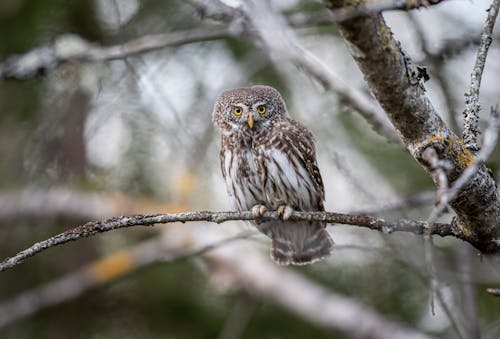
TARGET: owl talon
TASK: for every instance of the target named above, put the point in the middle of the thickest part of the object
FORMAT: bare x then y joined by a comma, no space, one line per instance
258,211
285,212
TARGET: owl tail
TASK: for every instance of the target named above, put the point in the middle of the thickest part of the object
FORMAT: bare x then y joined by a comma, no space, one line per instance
299,243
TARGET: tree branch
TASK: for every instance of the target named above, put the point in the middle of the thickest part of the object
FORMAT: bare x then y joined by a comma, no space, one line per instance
93,228
471,112
70,48
382,61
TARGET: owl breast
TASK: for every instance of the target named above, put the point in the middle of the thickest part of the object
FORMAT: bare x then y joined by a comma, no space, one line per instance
285,180
258,174
240,172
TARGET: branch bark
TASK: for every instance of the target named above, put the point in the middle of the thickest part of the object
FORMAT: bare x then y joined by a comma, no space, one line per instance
93,228
383,62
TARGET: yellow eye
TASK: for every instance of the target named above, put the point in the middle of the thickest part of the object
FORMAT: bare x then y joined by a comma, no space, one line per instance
261,109
237,111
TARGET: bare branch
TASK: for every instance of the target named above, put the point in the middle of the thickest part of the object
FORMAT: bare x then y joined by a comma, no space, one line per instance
93,228
471,112
70,48
372,8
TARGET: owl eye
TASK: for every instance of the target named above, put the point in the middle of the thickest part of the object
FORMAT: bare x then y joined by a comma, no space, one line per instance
237,111
261,109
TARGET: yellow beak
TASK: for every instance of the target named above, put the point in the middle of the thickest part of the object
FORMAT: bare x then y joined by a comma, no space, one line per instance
250,121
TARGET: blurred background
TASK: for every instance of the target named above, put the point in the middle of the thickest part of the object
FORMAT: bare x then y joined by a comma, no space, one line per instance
87,141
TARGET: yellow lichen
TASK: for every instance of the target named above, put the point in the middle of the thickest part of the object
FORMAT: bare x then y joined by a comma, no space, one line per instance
464,157
456,148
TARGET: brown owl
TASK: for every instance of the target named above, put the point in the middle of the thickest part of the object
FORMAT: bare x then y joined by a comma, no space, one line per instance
268,161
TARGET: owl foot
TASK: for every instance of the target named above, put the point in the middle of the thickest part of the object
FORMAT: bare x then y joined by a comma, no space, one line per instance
285,212
258,211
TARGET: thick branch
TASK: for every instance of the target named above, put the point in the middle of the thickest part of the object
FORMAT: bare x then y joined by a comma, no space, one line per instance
471,112
398,85
93,228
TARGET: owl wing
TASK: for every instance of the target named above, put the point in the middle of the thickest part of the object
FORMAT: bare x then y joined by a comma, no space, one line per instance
300,146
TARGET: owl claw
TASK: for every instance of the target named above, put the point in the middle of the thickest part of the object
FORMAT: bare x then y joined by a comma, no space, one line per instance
258,211
285,212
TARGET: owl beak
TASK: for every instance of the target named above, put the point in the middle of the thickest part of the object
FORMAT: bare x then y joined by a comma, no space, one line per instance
250,121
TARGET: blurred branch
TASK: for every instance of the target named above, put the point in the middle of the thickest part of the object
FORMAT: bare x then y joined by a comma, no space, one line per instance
70,203
436,65
471,112
493,291
93,228
54,202
382,61
257,19
75,283
299,295
71,48
100,272
467,292
239,317
411,201
371,8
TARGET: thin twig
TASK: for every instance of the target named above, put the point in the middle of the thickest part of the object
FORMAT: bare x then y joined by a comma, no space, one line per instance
471,112
93,228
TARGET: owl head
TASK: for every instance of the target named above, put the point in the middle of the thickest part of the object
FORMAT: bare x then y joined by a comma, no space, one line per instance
248,108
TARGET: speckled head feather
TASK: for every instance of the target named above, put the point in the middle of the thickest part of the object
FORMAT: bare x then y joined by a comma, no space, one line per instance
248,99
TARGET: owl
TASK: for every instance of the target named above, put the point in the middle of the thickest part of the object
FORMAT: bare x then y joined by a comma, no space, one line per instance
268,162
